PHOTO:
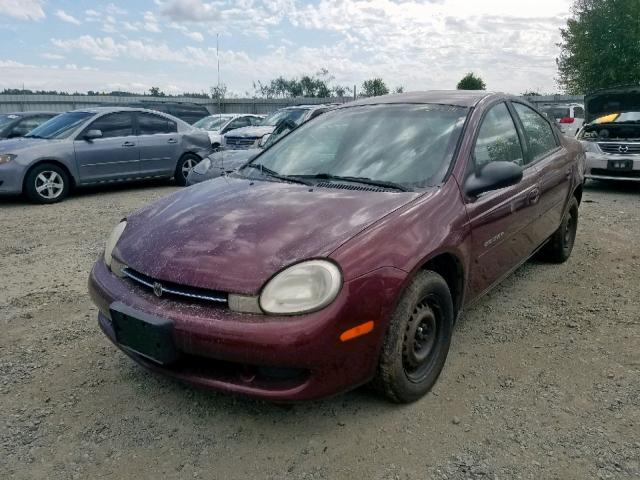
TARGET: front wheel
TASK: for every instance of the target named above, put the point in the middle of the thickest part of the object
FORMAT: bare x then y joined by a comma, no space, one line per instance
47,183
185,165
418,339
559,247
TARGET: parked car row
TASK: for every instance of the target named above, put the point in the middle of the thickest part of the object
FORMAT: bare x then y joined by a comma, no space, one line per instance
343,253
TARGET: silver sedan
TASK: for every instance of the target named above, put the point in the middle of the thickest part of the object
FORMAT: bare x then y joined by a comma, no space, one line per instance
97,145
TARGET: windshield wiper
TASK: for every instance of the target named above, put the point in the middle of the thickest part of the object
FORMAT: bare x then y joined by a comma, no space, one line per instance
363,180
273,174
33,136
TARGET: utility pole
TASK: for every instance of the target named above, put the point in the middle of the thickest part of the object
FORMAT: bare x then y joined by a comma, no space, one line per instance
218,58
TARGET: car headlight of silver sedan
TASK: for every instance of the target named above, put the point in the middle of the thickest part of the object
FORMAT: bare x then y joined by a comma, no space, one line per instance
6,158
302,288
202,167
590,146
112,240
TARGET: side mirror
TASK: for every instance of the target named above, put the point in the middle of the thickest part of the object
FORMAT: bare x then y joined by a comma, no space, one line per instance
493,176
264,140
92,135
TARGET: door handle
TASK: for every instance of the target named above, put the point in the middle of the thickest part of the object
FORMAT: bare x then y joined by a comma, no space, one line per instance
128,144
172,140
534,196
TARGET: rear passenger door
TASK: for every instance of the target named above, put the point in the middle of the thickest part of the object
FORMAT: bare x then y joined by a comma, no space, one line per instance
501,220
554,167
113,156
160,146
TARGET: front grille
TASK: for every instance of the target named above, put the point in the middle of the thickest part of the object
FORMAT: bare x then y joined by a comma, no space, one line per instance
620,148
173,289
616,173
240,143
344,186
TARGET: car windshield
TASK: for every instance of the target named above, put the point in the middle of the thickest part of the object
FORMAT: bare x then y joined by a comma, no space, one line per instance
61,126
406,145
557,112
293,114
213,122
7,119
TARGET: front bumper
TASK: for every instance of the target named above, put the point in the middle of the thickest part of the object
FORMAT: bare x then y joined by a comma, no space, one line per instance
229,351
599,167
11,178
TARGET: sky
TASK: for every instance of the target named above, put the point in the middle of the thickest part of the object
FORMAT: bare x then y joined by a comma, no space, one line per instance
76,45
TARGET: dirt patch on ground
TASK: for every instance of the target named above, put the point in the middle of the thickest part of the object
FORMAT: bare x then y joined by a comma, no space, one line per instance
542,381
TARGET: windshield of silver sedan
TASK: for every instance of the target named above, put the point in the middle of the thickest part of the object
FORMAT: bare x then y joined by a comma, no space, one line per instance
395,146
61,126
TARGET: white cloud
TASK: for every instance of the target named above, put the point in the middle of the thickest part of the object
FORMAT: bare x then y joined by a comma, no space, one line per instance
65,17
22,9
197,36
52,56
190,11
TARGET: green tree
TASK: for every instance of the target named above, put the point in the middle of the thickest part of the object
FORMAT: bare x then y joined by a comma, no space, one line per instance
600,46
471,82
374,88
156,92
399,89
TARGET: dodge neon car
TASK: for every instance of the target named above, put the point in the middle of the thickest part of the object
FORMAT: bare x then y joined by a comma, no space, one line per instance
344,253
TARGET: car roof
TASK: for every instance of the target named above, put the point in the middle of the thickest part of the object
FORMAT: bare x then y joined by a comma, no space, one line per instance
459,98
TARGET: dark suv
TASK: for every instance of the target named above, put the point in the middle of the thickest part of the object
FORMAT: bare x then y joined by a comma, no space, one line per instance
14,125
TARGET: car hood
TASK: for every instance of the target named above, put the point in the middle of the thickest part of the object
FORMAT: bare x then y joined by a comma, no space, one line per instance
233,234
257,131
232,159
612,100
17,145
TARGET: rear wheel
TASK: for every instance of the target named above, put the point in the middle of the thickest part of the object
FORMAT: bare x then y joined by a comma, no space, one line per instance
47,183
185,165
417,342
559,247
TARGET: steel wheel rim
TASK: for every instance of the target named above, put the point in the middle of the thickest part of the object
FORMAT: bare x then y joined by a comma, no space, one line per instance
420,341
49,184
187,166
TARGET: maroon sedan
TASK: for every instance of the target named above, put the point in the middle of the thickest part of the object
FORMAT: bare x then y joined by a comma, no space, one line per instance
344,253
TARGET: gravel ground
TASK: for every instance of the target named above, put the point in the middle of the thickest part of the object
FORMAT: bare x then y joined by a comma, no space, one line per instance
542,381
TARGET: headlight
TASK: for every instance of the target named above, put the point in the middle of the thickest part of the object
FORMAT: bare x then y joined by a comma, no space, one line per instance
6,158
590,146
112,241
202,167
302,288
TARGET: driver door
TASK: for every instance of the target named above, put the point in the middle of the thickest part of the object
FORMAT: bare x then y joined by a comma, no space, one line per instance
501,220
114,156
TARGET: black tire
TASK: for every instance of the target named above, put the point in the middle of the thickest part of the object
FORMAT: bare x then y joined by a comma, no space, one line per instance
182,169
47,183
558,248
417,342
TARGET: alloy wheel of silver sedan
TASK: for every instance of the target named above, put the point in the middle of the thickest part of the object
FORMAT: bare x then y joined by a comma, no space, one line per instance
188,165
49,184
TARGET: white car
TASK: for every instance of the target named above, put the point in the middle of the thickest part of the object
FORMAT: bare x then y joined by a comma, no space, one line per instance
217,125
569,117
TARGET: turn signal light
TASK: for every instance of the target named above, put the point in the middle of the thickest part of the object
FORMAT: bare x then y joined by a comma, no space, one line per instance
357,331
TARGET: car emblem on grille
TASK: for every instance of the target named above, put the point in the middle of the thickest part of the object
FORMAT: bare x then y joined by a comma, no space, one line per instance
623,149
157,289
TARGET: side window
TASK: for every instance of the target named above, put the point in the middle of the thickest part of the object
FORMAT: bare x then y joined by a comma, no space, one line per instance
114,125
538,131
498,139
153,124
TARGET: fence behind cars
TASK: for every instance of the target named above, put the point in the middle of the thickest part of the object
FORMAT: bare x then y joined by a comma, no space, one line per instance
64,103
